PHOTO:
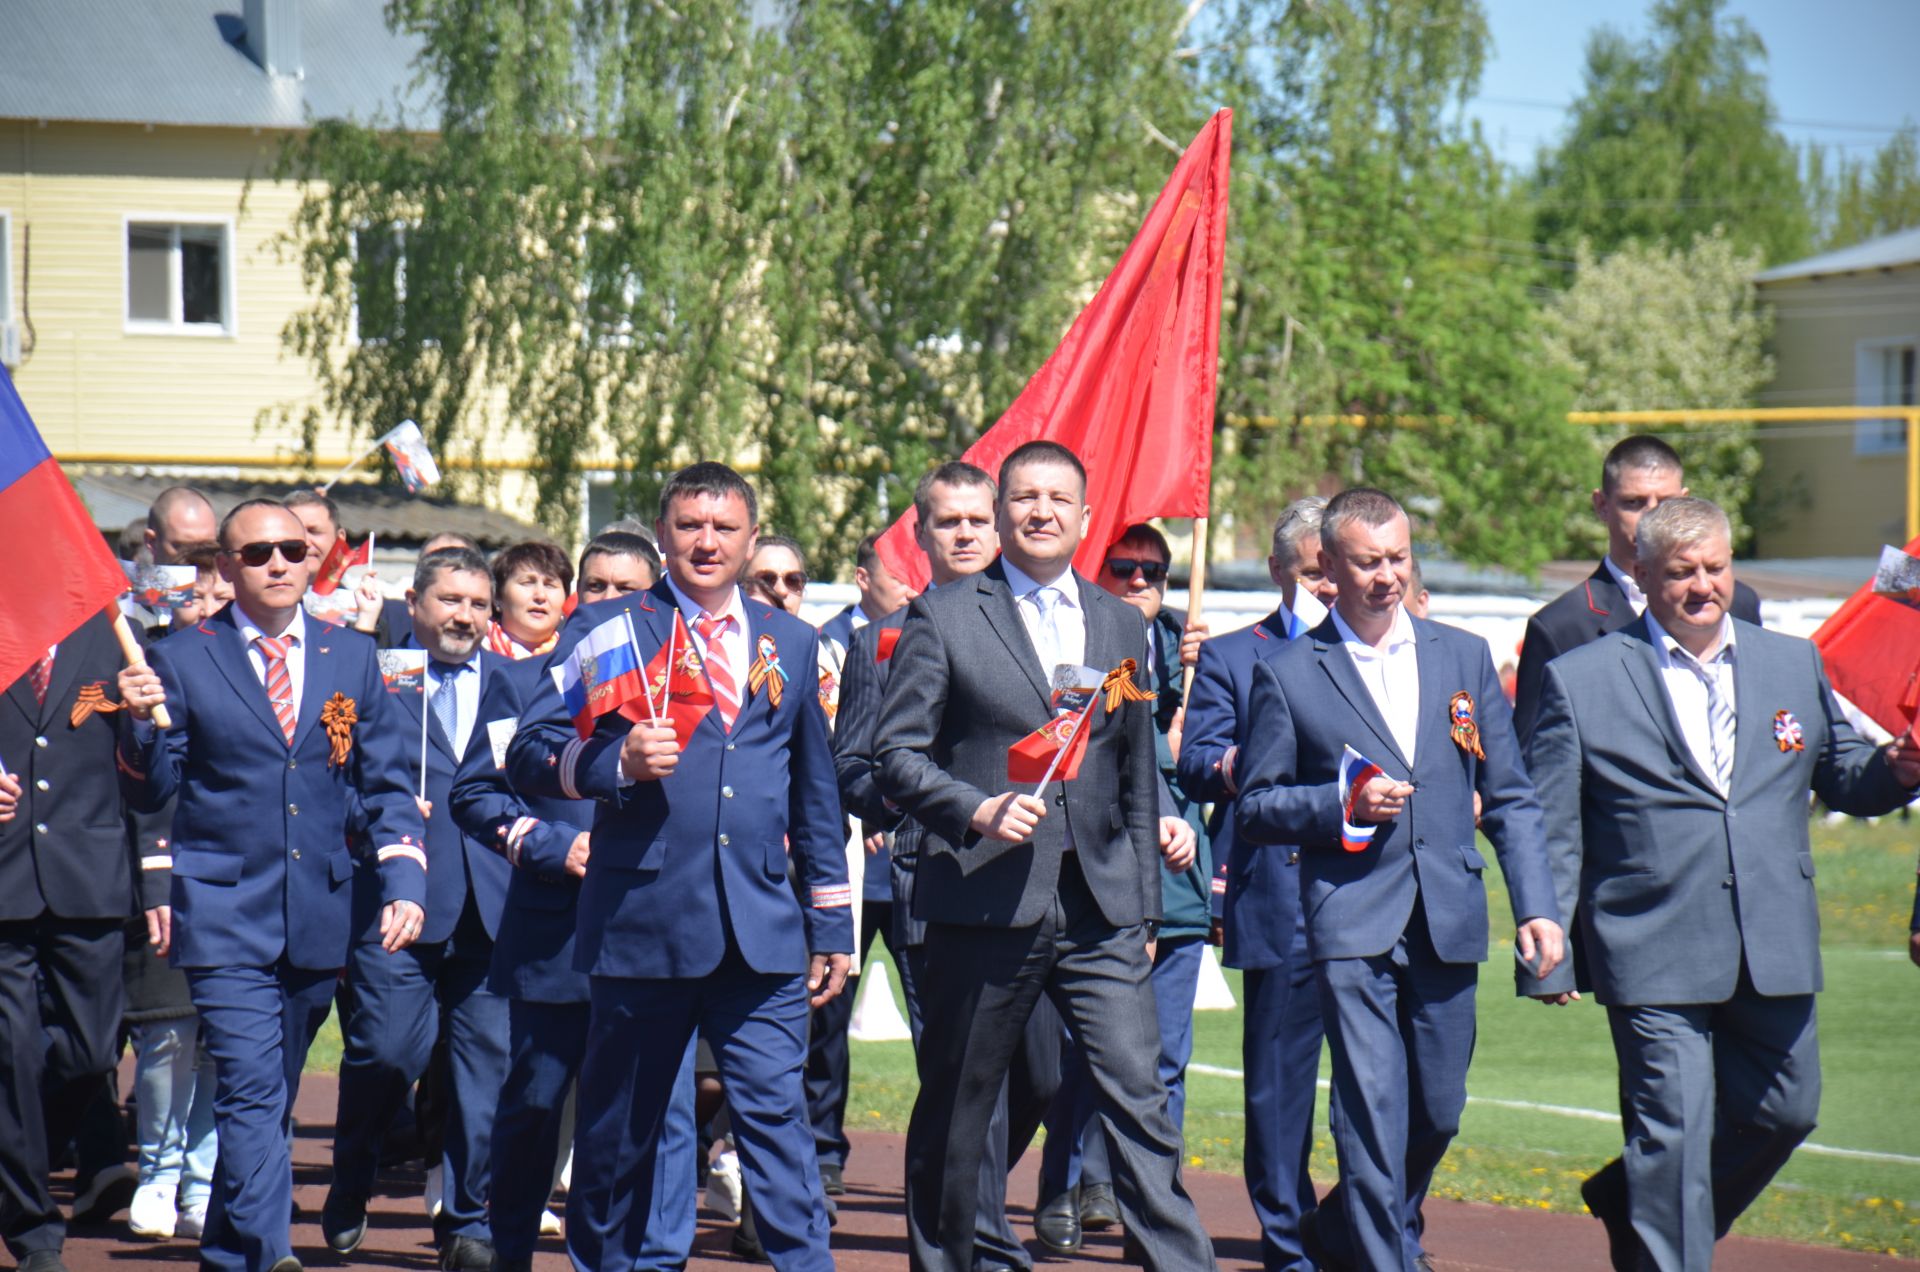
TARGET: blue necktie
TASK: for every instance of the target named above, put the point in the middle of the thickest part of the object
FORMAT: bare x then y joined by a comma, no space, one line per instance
445,705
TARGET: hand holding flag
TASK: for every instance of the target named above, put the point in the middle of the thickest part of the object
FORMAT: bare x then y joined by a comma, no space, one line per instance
1368,797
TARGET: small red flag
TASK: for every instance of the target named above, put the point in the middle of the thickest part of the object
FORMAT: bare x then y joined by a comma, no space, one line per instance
680,694
1871,648
1130,390
340,558
883,646
1029,758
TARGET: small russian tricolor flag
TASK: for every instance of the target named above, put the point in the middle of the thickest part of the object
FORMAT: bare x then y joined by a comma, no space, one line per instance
1356,770
603,673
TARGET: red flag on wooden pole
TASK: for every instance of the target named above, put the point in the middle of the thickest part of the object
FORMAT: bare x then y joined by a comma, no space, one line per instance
1130,388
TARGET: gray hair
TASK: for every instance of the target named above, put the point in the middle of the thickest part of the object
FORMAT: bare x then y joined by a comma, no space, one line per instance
1300,519
1363,504
1678,523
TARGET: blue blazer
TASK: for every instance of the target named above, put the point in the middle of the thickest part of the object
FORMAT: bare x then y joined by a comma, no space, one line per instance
1261,901
261,864
667,856
457,862
533,948
1308,703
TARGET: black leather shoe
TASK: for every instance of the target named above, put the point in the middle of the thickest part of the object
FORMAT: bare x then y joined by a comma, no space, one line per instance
1057,1224
42,1261
833,1181
109,1191
746,1245
1098,1211
511,1265
466,1254
343,1221
1605,1192
1314,1248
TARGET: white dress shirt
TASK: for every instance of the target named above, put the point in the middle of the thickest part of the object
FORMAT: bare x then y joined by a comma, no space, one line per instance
1391,673
1065,639
730,648
1628,585
1681,673
466,700
296,637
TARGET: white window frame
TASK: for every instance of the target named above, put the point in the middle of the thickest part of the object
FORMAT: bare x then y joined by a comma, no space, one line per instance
399,229
6,265
1874,437
226,329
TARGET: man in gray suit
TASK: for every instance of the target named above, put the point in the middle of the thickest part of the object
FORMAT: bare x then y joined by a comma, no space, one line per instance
1673,759
1389,874
1027,895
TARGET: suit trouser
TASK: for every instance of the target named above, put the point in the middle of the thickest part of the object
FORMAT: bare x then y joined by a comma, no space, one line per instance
1076,1150
258,1023
982,985
1716,1096
53,1058
1401,1028
1280,1052
399,999
828,1059
756,1025
549,1041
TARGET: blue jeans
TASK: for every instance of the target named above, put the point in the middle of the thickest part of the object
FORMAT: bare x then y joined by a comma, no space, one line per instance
173,1082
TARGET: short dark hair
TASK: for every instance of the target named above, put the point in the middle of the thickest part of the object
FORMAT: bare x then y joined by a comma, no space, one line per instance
432,565
1639,453
955,472
866,554
1042,452
1364,504
244,505
781,541
131,540
1144,533
709,477
170,498
201,555
535,554
306,497
621,543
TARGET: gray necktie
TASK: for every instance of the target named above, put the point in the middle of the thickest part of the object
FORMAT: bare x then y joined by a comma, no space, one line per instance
1046,641
446,707
1720,721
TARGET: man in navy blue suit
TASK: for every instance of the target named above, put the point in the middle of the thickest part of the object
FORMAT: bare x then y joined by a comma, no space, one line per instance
687,917
282,736
1390,876
399,1001
1264,926
548,842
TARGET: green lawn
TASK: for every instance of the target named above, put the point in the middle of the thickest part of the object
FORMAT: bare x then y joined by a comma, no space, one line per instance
1870,1044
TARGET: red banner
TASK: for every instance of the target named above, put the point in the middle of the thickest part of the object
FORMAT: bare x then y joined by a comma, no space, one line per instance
1871,647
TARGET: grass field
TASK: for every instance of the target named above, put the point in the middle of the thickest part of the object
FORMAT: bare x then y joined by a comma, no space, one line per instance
1527,1053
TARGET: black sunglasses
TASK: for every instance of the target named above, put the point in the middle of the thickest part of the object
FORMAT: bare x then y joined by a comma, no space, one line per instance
258,554
795,581
1124,567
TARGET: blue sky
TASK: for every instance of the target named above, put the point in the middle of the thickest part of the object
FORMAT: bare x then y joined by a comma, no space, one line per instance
1828,62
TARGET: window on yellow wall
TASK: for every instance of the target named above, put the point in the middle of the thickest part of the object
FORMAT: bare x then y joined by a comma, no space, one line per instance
179,277
402,289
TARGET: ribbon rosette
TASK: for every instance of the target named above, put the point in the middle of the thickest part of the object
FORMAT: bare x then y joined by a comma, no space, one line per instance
338,718
1787,733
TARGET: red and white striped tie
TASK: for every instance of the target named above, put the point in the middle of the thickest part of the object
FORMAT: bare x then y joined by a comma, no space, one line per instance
42,679
279,682
726,694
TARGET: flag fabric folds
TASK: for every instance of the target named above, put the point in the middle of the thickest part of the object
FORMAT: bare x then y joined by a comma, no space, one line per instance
407,447
602,674
60,572
1130,389
676,690
1356,770
340,558
1871,648
1029,759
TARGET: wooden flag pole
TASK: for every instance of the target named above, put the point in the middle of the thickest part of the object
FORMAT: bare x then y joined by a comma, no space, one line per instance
130,650
1196,595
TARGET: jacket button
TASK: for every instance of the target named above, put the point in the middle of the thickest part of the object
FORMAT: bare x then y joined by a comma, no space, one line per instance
293,810
1293,858
1060,799
727,791
39,828
1727,882
42,785
729,746
293,764
296,854
724,840
41,743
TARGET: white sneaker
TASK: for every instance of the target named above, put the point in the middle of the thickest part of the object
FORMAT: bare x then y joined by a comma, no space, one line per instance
192,1222
436,1190
550,1225
723,1187
151,1212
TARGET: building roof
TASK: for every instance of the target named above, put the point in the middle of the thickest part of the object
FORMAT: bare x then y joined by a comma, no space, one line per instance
1889,251
185,62
116,498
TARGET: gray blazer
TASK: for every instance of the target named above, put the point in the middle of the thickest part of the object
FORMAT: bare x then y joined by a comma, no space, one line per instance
1671,885
966,685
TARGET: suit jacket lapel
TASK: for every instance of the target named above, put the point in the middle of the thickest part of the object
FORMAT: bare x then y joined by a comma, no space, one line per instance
1003,616
1752,714
1346,678
228,650
61,688
757,616
1643,667
318,684
1607,604
1432,731
1102,649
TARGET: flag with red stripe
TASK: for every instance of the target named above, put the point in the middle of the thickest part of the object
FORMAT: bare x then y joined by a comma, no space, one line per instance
1356,770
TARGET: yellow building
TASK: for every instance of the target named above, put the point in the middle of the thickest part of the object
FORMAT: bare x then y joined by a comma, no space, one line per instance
1846,332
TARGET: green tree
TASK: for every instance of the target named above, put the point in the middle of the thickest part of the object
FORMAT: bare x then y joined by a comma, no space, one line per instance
1671,137
1373,272
1654,328
830,240
1856,199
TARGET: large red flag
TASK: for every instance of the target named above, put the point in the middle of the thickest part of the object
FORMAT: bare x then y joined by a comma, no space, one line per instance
1130,389
57,572
1871,648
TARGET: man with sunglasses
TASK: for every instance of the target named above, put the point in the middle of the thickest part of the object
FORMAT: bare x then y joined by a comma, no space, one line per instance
281,726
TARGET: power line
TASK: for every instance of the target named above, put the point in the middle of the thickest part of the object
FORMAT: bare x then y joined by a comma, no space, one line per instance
1534,103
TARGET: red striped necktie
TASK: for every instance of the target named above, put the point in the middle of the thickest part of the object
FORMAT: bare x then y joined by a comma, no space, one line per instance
42,677
273,649
726,694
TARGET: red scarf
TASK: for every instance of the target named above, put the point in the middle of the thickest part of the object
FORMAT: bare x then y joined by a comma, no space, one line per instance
506,646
